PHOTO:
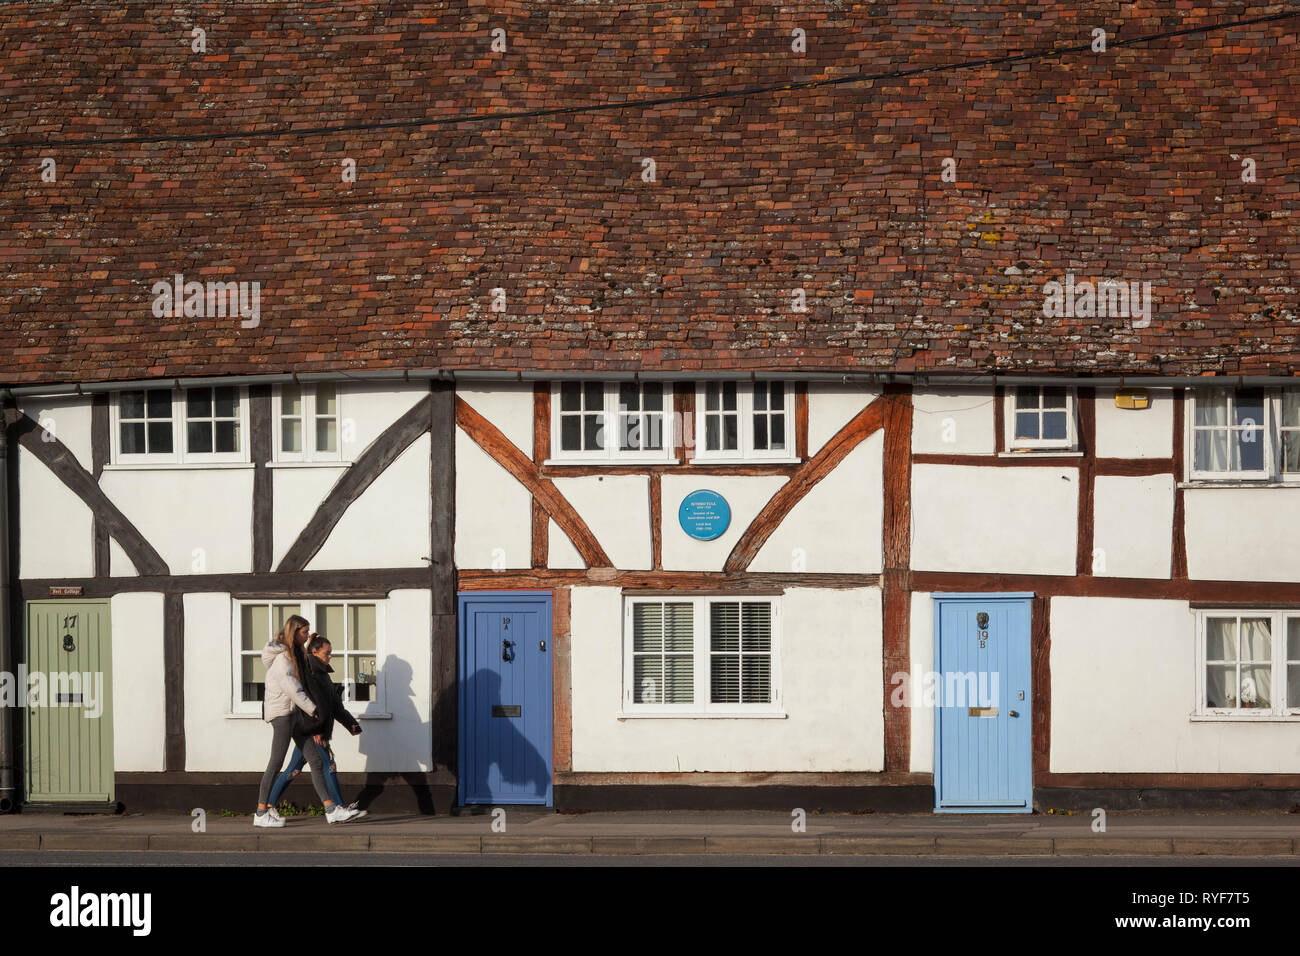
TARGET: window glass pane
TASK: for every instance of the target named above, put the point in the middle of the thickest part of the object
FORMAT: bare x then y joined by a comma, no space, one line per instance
593,436
712,433
1250,407
133,438
756,680
1210,451
712,397
198,402
778,396
653,396
647,627
569,392
1054,425
593,395
1220,685
1293,685
1212,408
326,399
1026,398
679,679
679,627
327,430
160,403
647,679
132,404
228,436
724,626
1054,397
361,676
653,437
199,436
1293,642
730,432
724,679
329,624
291,399
255,627
1249,447
760,397
252,678
570,433
1291,452
361,630
629,397
1026,424
1256,640
291,434
1290,408
227,399
281,613
760,432
777,438
160,437
729,396
1257,686
756,627
1220,639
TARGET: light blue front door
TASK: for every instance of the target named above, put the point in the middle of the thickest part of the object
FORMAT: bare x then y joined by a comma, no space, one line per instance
983,744
505,697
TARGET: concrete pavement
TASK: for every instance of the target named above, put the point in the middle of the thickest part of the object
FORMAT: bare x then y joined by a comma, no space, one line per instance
532,831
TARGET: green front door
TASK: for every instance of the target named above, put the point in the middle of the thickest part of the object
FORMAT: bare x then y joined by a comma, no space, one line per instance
66,692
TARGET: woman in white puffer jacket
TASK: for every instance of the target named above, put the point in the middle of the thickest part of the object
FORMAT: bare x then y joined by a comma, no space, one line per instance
283,693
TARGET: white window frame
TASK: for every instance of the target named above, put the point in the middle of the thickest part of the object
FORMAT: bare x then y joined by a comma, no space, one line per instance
1272,440
702,705
1041,445
307,608
746,452
180,453
1281,708
611,453
310,453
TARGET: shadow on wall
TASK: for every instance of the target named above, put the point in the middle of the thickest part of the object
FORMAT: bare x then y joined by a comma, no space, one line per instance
521,769
401,704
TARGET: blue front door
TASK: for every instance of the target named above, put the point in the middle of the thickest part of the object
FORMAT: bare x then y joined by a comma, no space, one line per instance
505,697
983,704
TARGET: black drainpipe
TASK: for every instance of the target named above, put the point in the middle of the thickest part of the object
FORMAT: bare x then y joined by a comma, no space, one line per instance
8,789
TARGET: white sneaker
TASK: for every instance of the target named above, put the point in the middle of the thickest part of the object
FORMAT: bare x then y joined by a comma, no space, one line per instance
357,810
267,819
275,814
339,814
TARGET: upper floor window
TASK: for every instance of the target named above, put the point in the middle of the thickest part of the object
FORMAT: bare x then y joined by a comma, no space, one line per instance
1245,433
701,656
1041,417
742,420
202,424
611,421
1248,663
307,422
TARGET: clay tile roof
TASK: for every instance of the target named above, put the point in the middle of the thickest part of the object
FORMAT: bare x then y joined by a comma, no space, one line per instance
774,171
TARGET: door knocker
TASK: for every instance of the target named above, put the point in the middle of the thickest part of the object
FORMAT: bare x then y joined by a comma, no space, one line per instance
507,650
68,643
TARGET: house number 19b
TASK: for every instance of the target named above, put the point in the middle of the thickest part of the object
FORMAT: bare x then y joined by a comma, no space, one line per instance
984,636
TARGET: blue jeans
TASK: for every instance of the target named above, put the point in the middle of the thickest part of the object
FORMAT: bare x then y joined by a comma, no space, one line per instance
295,765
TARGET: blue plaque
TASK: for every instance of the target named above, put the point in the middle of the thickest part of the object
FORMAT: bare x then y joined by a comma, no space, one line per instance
704,515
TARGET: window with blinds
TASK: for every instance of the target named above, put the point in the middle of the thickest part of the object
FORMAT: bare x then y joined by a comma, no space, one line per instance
701,655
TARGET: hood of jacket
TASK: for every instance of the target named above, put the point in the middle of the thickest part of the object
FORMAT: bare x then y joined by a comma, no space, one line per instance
271,652
318,666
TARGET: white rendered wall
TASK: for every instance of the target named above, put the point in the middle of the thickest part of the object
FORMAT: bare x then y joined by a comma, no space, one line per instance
369,409
921,661
1135,433
1243,534
830,676
507,405
836,527
831,407
1011,520
388,526
216,741
139,720
746,494
1124,686
181,511
67,420
494,512
56,531
561,553
1133,520
949,421
617,510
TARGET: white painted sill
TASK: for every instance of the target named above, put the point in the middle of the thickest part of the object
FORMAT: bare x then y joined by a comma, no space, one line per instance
183,466
1244,719
612,462
1041,453
745,461
309,464
1237,483
258,716
710,715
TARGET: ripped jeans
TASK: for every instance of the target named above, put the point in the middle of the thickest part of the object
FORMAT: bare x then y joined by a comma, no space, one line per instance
296,762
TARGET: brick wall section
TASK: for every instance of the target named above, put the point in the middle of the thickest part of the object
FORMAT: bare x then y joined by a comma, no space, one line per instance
1119,165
